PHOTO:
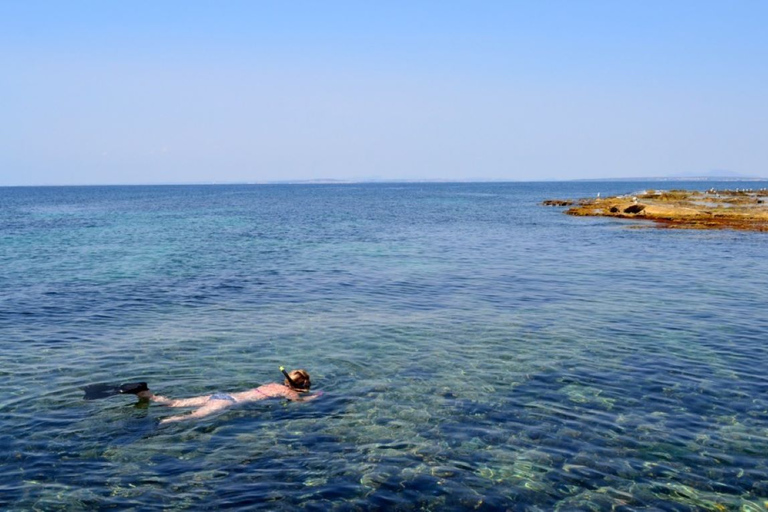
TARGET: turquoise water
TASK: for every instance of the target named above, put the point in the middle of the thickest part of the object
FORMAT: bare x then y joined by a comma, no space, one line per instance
476,350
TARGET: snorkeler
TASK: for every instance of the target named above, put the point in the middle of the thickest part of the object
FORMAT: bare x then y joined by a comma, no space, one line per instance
296,383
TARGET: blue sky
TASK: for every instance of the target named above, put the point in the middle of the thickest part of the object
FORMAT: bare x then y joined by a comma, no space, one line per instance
95,92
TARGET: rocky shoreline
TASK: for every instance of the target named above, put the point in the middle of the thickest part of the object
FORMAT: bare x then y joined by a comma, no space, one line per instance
741,209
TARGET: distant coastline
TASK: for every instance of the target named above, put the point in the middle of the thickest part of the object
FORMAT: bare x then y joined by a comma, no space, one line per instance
680,178
491,180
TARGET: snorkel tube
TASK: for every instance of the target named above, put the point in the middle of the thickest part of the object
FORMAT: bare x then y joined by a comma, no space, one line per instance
293,384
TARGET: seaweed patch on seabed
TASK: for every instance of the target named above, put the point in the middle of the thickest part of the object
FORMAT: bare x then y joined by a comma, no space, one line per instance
634,452
739,209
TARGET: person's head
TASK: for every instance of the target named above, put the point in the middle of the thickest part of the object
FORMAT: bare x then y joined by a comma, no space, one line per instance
299,380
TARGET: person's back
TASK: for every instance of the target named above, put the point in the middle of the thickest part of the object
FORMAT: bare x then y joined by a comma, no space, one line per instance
296,383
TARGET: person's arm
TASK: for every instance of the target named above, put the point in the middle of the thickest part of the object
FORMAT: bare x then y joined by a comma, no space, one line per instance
306,398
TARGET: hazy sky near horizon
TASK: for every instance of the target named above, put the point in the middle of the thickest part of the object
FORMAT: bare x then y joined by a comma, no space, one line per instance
95,92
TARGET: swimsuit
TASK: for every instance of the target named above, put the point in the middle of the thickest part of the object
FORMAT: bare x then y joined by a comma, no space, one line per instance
222,396
230,398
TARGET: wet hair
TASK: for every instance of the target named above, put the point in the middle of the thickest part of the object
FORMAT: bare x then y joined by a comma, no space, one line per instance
300,380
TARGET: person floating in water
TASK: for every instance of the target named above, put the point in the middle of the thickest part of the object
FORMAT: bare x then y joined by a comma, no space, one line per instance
295,387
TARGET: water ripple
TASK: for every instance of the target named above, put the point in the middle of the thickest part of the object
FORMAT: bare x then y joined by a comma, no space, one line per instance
476,351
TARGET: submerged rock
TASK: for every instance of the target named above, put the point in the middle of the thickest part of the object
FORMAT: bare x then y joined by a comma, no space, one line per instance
558,202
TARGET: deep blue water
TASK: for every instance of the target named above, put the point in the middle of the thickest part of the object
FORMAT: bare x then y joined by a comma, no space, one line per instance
476,349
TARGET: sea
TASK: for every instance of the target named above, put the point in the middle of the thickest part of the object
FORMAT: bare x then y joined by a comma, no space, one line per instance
475,350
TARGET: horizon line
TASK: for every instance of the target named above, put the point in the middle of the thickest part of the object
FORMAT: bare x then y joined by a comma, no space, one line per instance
336,181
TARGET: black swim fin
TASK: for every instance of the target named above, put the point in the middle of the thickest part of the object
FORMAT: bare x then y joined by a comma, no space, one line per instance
96,391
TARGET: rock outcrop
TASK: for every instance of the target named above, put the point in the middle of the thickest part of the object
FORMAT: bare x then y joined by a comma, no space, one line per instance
714,209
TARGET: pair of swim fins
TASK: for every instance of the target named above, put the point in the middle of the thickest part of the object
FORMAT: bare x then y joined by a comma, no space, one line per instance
96,391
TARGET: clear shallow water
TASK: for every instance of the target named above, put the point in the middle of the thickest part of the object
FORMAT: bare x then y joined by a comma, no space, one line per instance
477,350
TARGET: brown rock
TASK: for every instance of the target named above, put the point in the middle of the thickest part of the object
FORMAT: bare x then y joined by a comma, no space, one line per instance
713,209
635,208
